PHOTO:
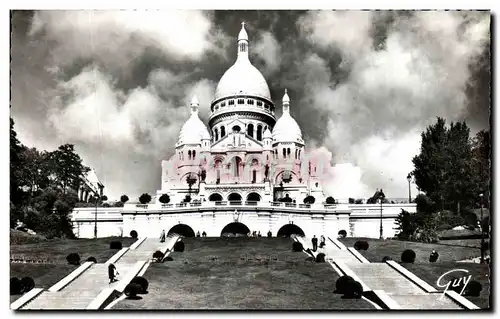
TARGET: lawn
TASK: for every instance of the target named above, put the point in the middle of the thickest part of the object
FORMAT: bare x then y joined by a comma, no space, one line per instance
53,254
430,273
427,271
241,273
394,248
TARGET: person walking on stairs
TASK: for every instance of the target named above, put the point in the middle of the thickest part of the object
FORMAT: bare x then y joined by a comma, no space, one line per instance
322,241
269,234
314,241
204,234
198,233
162,236
112,273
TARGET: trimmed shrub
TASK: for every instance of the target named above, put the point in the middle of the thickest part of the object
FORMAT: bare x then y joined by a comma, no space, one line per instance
473,289
92,259
354,290
342,233
133,234
115,245
73,259
164,199
297,246
363,245
341,284
132,290
433,258
15,286
408,256
169,258
386,258
179,246
27,283
320,258
142,282
330,200
358,245
158,255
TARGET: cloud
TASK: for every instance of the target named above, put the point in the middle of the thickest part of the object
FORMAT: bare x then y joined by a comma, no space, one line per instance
268,49
392,91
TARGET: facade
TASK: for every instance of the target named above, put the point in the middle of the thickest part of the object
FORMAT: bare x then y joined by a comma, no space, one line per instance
245,171
245,154
90,186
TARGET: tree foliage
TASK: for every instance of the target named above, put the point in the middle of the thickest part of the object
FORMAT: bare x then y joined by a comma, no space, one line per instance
124,199
145,198
164,199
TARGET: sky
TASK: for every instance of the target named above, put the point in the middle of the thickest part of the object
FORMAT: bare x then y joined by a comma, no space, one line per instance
363,84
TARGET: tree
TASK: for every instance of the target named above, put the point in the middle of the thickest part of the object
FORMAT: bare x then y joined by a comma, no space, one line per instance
34,174
145,198
444,167
481,158
190,180
330,200
124,199
15,166
67,168
164,199
309,200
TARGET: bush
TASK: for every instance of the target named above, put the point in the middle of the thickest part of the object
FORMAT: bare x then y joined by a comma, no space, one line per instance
330,200
142,282
473,289
132,290
342,233
309,200
133,234
408,256
352,200
73,259
115,245
320,258
164,199
27,283
124,199
386,258
341,284
158,255
358,201
92,259
361,245
15,286
187,199
169,258
297,246
179,246
145,198
354,290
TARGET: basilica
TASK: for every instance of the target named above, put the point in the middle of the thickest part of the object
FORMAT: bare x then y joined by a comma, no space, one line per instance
243,154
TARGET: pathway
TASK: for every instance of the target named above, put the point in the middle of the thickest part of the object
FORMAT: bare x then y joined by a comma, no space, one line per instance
86,287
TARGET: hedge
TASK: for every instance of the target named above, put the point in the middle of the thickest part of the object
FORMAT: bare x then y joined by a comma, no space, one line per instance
179,246
297,246
73,259
142,282
115,245
408,256
133,234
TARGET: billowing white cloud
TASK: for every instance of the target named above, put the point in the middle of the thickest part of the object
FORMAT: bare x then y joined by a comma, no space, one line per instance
268,49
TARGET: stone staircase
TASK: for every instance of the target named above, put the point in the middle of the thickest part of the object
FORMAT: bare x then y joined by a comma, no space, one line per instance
81,291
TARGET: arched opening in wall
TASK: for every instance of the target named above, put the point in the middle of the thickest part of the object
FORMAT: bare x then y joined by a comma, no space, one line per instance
259,132
236,166
216,133
222,131
235,230
182,229
253,197
215,197
236,128
254,176
234,197
290,229
250,130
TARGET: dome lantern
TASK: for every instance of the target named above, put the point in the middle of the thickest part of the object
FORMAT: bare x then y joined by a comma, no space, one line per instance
286,102
243,42
195,104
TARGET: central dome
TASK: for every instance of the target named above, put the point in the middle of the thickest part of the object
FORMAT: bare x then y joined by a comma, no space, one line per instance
242,78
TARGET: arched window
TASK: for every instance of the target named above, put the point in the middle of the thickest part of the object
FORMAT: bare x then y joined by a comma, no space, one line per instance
216,134
288,152
296,153
236,166
254,176
250,130
222,131
284,152
259,103
217,165
250,102
194,154
259,132
189,154
223,104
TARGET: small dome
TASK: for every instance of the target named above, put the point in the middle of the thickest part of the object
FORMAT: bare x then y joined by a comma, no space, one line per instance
287,130
286,98
267,133
243,33
242,78
193,131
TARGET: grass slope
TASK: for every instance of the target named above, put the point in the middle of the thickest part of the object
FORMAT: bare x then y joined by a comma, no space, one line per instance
241,273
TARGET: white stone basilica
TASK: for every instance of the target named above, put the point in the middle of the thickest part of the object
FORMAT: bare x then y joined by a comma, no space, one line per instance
244,155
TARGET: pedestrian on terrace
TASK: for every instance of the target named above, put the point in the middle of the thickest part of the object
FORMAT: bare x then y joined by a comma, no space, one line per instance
162,236
112,273
314,241
322,241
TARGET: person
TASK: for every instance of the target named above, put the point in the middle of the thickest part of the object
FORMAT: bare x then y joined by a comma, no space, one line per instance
204,234
162,236
322,241
269,234
314,241
112,273
259,234
198,233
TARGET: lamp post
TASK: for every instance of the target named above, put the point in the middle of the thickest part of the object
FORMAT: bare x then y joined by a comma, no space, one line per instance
381,197
482,230
408,178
